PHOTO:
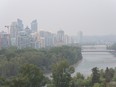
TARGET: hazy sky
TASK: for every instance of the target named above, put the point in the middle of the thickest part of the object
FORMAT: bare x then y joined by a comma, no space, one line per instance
93,17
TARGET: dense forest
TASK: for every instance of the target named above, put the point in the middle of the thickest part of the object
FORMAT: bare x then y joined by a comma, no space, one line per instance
12,59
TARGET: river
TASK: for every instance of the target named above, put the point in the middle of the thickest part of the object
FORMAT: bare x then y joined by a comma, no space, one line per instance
94,59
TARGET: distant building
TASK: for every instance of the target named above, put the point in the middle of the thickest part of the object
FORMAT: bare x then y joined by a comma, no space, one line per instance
20,25
34,26
15,28
80,37
71,40
60,38
66,39
4,40
23,40
13,33
54,39
36,41
48,37
28,30
26,40
42,42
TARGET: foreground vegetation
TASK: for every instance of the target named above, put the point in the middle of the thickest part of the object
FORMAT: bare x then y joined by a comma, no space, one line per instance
31,76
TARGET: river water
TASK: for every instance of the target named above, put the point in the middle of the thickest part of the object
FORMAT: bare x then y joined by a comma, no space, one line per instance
94,59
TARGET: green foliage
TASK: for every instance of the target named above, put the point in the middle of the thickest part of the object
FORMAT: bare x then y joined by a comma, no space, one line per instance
2,81
29,76
97,85
79,76
61,74
109,74
50,85
95,75
80,81
87,82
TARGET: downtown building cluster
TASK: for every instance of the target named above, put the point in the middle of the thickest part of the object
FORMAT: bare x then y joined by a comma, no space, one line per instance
21,37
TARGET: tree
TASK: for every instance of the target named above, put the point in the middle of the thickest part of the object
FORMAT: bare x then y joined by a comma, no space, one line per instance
30,76
61,73
2,81
18,81
109,73
95,75
87,82
80,81
96,85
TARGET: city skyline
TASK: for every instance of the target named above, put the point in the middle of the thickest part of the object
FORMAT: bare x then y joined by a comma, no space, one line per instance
24,37
37,29
91,17
34,26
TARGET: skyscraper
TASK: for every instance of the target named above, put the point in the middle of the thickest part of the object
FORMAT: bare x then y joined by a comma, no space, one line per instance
4,40
34,26
13,33
28,30
24,40
79,37
20,25
15,28
60,37
47,37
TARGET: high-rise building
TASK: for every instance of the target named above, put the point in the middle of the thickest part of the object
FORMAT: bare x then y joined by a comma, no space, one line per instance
60,37
23,40
79,37
66,39
54,39
4,40
15,28
20,25
13,33
42,42
35,41
34,26
48,37
28,30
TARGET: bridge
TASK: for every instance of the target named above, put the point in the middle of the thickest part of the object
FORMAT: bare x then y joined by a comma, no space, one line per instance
96,48
98,51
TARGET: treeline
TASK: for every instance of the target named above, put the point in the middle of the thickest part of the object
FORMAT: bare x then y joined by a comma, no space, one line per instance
112,47
12,59
31,76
